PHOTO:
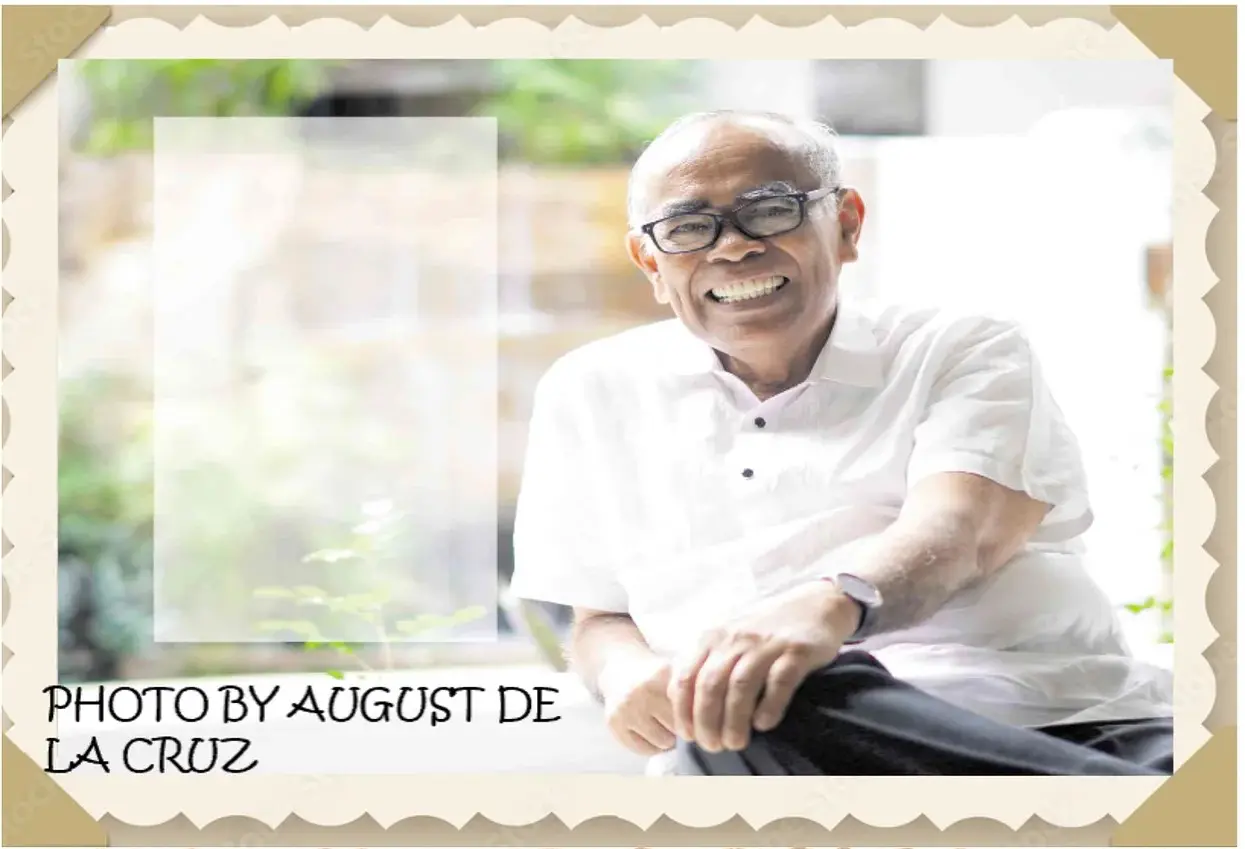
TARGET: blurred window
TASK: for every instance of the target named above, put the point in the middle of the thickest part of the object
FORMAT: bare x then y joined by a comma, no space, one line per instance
872,98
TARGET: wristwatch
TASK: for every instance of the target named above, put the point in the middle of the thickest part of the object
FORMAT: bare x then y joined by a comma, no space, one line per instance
866,596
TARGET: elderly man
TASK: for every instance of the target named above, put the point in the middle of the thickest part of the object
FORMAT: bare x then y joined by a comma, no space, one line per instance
803,536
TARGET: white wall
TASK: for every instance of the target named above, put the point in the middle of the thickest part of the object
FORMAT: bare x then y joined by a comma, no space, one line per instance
1001,97
772,85
986,97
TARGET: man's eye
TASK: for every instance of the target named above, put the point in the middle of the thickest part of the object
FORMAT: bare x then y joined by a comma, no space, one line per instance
688,228
777,209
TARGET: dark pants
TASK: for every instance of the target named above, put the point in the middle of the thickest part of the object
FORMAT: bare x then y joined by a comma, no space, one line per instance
854,718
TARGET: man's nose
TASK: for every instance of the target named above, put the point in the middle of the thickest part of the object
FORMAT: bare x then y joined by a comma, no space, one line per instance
734,245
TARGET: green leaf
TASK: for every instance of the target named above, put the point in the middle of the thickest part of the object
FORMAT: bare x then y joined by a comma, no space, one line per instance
431,622
307,591
331,555
420,624
469,614
333,673
364,601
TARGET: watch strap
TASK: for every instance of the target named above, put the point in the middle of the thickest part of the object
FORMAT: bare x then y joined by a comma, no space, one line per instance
868,612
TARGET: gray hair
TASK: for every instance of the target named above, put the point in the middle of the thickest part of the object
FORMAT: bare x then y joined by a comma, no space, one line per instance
818,150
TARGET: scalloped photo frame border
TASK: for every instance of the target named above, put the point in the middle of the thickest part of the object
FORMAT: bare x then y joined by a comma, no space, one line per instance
571,810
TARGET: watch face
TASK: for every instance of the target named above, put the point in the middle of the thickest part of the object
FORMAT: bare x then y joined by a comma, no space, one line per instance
860,589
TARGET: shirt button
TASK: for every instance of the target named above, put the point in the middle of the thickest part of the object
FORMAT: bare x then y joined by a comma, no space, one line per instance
759,422
747,473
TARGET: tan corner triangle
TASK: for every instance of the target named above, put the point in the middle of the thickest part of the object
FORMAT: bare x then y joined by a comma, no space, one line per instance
1200,41
1195,807
36,38
37,812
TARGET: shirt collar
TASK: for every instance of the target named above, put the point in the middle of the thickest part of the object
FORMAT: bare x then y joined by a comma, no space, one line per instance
851,355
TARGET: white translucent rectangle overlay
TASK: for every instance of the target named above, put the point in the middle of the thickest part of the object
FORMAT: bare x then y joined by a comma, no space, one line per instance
326,388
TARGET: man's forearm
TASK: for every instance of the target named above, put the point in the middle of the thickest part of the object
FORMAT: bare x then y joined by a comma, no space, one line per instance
955,529
917,568
600,640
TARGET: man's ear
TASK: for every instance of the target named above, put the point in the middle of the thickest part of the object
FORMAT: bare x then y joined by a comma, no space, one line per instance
641,254
851,222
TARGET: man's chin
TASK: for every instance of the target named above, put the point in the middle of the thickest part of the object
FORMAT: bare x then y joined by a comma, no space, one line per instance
766,320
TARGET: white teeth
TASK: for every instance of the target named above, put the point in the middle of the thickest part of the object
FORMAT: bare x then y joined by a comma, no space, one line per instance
748,289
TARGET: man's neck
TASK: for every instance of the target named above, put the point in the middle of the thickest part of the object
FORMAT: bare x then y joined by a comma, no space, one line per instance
770,371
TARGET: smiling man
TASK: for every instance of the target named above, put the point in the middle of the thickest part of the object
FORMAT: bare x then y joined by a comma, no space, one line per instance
803,536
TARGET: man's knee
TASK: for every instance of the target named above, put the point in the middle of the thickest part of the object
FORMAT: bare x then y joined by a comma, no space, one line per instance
775,752
835,683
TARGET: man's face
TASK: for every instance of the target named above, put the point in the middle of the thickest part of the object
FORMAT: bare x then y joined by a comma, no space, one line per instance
716,168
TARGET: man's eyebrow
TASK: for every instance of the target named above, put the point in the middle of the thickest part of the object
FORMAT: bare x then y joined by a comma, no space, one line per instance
679,207
778,187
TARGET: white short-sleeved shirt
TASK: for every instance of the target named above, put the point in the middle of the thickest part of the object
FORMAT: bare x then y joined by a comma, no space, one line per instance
658,485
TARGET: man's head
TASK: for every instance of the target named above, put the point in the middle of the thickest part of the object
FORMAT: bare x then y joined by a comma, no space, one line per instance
771,275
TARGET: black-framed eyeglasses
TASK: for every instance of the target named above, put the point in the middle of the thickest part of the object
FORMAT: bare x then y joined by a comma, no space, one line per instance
771,215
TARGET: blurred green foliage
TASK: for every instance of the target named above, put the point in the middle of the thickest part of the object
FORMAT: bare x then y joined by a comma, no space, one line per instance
125,93
374,543
106,506
1163,607
1167,458
584,112
549,111
105,500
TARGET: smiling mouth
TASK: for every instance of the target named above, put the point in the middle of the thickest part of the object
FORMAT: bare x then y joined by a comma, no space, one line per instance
748,290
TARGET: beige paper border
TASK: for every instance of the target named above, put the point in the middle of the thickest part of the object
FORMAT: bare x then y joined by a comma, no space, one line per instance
1074,39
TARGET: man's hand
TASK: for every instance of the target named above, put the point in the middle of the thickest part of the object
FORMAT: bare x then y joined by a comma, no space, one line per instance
637,705
744,675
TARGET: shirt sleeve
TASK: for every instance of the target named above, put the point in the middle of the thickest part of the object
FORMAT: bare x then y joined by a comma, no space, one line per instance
561,553
990,413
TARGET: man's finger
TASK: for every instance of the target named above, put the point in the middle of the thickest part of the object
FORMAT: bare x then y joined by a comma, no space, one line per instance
682,690
639,745
785,677
746,682
712,685
656,734
663,713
